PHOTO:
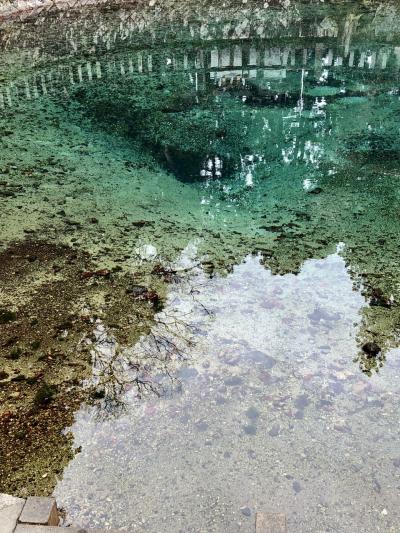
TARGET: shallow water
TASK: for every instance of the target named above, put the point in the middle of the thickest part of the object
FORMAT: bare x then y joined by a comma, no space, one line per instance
254,154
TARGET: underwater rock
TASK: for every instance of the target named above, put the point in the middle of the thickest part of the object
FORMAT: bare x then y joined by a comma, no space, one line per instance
103,273
378,299
7,316
136,290
316,190
371,349
252,413
297,487
274,431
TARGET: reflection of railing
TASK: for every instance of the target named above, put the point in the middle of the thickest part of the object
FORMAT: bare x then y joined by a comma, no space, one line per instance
235,61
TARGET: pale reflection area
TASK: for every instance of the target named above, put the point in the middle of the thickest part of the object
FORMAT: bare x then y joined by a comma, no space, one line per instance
271,413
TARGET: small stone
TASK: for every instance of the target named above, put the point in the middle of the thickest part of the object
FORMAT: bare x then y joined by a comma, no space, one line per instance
297,487
250,430
274,431
384,512
252,413
246,511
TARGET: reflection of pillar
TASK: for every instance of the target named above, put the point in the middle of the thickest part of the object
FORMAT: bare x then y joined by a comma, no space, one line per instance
318,55
27,90
214,60
371,60
140,62
237,56
98,70
383,56
396,52
43,84
253,56
89,71
351,58
225,57
285,56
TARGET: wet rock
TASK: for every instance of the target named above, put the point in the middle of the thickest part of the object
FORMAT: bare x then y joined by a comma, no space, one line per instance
321,314
274,431
201,426
371,349
136,290
141,223
297,487
44,394
233,380
342,427
252,413
378,299
7,316
315,190
250,429
3,375
302,401
262,358
103,273
246,511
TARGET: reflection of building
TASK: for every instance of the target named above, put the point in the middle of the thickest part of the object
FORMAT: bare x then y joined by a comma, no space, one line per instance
220,63
239,47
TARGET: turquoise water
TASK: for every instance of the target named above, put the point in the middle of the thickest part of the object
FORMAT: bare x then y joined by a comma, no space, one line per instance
254,154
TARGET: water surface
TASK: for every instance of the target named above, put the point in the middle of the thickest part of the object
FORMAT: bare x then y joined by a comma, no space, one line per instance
250,159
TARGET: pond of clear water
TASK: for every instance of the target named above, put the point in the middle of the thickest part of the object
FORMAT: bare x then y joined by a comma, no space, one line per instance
251,155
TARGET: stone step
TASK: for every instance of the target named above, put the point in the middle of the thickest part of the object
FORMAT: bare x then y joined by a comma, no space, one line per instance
40,511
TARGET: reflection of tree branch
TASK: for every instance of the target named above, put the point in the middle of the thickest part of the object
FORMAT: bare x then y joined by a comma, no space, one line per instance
117,369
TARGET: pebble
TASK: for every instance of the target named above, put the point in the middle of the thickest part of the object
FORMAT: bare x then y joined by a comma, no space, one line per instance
274,431
297,487
246,511
250,430
252,413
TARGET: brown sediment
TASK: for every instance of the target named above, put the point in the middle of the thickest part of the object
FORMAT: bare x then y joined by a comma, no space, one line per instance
48,307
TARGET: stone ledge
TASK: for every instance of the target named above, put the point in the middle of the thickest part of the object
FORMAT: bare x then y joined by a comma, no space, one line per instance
10,509
22,528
